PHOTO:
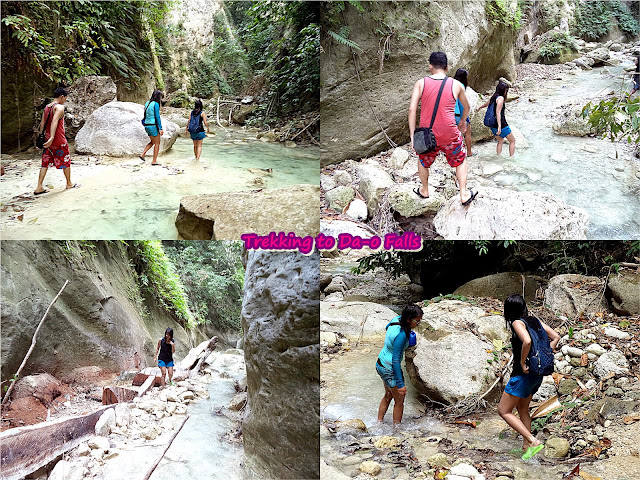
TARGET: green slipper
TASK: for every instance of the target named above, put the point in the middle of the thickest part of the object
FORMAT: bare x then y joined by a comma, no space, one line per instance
531,451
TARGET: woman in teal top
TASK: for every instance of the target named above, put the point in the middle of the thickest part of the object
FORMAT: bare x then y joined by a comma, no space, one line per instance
389,361
153,125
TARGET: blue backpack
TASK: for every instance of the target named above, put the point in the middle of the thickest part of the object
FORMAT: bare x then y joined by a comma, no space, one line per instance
490,119
195,124
540,356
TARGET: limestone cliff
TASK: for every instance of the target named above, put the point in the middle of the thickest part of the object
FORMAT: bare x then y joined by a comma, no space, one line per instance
281,319
396,39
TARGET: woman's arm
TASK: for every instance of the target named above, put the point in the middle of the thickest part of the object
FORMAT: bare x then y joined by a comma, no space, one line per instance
523,334
398,348
204,120
186,129
156,112
158,348
173,346
499,104
483,106
552,334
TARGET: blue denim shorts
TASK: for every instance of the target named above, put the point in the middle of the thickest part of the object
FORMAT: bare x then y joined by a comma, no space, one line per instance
503,133
387,376
198,136
152,130
523,385
165,364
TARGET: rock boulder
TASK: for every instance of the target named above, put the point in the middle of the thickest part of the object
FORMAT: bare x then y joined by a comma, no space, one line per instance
226,216
499,214
115,129
86,94
280,319
570,295
624,293
354,318
568,120
500,286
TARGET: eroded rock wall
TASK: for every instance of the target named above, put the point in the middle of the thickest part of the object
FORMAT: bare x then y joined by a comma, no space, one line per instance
101,319
281,319
460,29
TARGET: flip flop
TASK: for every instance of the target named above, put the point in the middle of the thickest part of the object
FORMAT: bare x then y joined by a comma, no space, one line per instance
473,195
75,185
531,451
417,192
473,154
154,164
40,193
141,157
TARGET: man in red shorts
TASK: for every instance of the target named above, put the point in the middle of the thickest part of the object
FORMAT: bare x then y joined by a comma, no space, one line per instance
448,135
56,148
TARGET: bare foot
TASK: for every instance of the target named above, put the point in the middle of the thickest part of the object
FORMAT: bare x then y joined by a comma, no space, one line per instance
73,185
526,444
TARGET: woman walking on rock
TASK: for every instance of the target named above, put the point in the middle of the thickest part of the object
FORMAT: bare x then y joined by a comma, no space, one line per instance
389,361
462,75
166,347
524,383
196,129
503,131
153,125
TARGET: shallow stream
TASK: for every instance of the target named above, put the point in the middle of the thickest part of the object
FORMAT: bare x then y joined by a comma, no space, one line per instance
125,198
594,174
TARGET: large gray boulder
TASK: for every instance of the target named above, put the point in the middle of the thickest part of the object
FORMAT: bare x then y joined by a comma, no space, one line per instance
226,216
280,319
499,214
500,286
86,94
567,119
333,228
115,129
379,288
624,293
353,319
451,316
404,200
373,183
571,295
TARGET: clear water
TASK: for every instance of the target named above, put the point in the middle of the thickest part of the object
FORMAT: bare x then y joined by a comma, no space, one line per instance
605,186
128,199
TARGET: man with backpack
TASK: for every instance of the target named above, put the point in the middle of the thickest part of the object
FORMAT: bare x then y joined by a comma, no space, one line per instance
55,147
438,130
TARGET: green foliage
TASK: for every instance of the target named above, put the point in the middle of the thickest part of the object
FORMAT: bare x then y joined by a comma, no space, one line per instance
499,12
626,22
555,44
387,259
550,15
213,278
592,19
482,246
158,279
342,37
616,118
65,40
180,100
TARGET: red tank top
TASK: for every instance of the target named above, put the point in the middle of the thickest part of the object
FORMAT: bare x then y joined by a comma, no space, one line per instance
444,127
59,139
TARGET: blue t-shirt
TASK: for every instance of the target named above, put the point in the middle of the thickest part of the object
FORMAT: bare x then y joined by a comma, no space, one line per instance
152,114
395,343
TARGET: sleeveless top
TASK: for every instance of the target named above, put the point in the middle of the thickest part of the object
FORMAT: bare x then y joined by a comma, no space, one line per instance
444,127
503,120
165,352
59,138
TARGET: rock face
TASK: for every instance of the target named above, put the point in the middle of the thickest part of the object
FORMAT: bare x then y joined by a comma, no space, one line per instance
471,41
86,94
124,118
352,319
624,293
498,214
570,295
500,286
280,318
98,312
226,216
378,288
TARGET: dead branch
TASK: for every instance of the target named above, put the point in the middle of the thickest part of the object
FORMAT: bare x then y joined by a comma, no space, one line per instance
33,345
151,470
312,122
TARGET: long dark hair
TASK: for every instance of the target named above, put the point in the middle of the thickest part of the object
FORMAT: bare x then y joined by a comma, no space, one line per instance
409,313
169,330
197,109
501,91
462,75
156,96
515,308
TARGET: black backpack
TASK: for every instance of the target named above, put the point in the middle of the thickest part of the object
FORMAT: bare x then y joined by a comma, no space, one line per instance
541,360
40,139
424,141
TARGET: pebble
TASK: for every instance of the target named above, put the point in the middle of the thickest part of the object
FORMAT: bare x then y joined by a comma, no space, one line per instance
615,333
438,460
370,467
573,351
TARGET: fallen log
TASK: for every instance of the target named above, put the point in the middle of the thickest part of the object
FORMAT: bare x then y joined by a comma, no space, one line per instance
153,467
211,346
148,383
111,395
140,378
26,449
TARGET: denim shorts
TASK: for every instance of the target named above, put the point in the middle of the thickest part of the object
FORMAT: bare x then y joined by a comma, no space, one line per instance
198,136
503,133
151,130
387,376
165,364
523,385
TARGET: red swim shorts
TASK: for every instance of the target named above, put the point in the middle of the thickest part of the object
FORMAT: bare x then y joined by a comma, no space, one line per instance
456,152
56,155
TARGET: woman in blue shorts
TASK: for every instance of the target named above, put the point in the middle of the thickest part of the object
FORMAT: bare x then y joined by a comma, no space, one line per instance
523,384
153,125
166,347
389,361
462,76
636,77
196,129
503,131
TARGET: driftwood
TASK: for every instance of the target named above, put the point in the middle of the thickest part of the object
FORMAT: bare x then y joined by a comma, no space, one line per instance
33,345
112,394
26,449
140,378
153,467
213,343
148,383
